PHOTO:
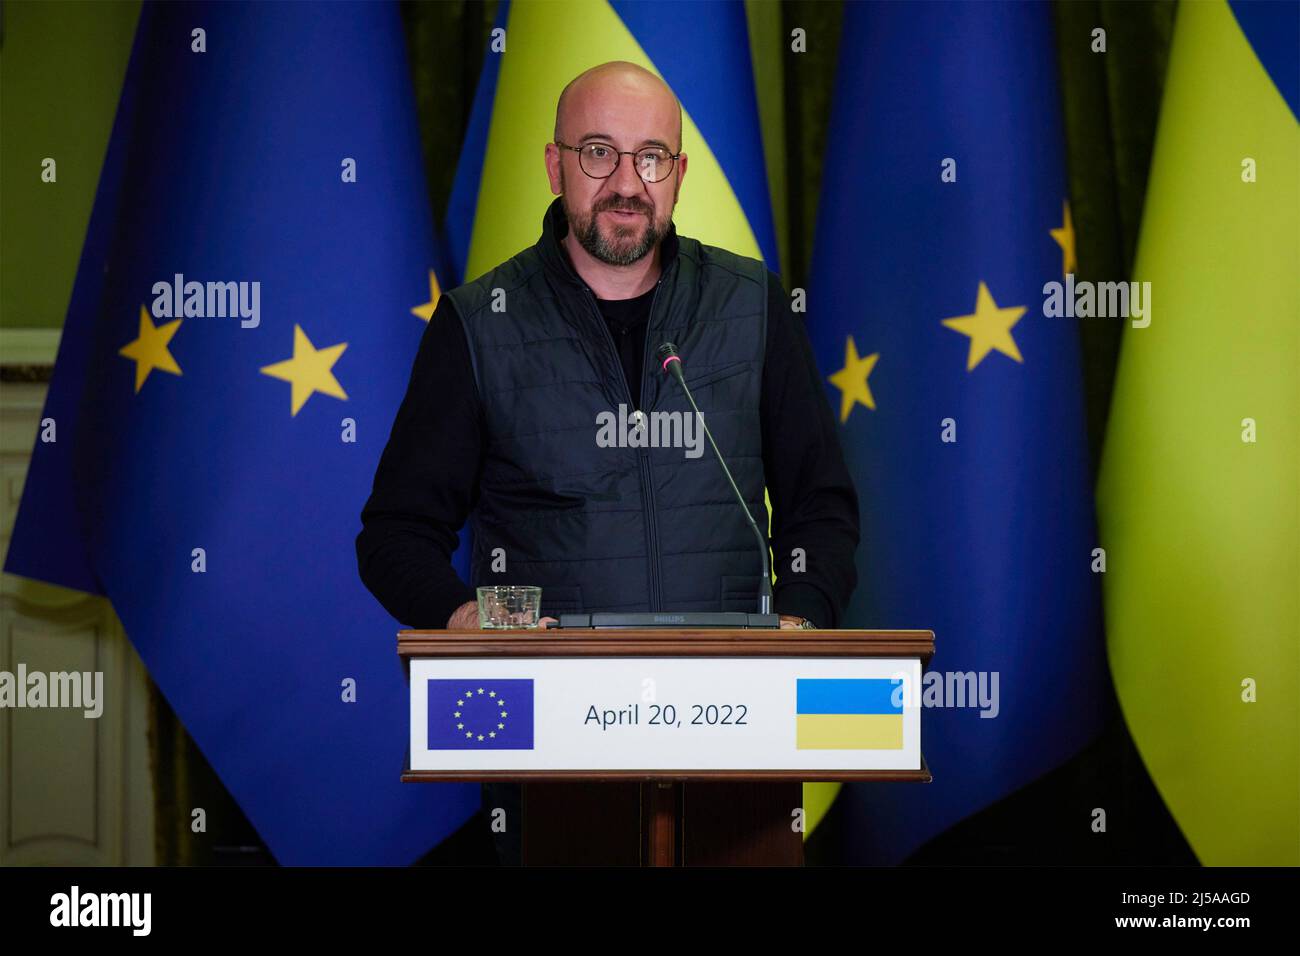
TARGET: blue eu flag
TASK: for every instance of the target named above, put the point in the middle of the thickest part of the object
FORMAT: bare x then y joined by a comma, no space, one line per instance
943,214
257,275
478,714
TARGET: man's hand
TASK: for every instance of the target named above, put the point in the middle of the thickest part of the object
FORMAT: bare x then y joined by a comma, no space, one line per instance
465,618
790,622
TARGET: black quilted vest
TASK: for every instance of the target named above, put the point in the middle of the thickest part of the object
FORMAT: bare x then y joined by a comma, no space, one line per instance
617,528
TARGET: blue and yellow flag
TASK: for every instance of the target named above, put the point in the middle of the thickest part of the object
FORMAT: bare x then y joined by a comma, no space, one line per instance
501,192
247,307
943,215
848,714
1197,498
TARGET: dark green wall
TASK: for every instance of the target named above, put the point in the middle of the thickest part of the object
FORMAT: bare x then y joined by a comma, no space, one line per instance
61,70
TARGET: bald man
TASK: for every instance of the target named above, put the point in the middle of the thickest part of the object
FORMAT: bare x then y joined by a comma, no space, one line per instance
517,371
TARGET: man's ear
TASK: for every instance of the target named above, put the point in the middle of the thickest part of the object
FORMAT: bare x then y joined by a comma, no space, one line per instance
553,168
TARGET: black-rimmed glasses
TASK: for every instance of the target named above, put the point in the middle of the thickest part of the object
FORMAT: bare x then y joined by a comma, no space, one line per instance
599,160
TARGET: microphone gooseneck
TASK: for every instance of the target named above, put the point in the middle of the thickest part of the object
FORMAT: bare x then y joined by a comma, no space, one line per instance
671,363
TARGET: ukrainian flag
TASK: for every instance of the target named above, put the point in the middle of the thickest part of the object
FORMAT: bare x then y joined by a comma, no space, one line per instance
1197,498
848,714
702,53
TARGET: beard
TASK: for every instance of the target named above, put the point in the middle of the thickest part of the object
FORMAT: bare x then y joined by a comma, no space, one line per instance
622,245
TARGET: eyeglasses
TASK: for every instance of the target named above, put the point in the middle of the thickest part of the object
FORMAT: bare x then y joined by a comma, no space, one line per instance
599,160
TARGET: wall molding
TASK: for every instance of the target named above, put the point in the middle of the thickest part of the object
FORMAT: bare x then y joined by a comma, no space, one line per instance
27,347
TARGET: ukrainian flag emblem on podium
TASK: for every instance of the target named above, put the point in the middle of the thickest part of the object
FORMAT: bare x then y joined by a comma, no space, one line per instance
848,714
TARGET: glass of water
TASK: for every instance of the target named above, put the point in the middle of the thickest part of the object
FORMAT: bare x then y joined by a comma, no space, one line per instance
509,606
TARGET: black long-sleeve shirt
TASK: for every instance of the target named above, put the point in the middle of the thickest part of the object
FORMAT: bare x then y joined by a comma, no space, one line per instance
427,480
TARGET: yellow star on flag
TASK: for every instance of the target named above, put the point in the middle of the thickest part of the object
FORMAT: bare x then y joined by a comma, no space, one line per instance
851,380
149,349
1065,239
989,328
309,370
425,311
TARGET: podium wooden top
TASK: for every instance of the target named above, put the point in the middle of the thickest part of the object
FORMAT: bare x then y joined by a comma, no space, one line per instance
666,642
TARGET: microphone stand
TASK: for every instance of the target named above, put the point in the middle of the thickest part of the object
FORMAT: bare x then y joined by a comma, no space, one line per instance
672,363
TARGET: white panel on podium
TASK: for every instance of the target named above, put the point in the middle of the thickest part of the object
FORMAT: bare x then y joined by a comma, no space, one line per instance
665,713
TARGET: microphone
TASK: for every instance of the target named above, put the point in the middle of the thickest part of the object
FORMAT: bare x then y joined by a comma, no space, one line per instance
672,364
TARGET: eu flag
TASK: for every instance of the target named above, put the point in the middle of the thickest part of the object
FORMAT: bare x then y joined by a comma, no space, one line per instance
473,714
254,284
943,215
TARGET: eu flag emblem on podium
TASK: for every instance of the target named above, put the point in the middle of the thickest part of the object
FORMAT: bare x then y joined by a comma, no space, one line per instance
475,714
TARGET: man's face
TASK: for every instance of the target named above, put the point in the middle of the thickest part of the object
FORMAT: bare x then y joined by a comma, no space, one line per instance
620,219
614,227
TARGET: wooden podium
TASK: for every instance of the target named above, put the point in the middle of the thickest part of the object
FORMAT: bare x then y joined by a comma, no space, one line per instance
582,804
